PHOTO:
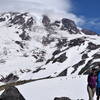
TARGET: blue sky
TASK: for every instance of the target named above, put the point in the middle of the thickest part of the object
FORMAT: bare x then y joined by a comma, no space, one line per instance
90,11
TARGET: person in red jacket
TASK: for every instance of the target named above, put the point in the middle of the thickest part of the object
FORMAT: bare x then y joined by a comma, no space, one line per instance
91,87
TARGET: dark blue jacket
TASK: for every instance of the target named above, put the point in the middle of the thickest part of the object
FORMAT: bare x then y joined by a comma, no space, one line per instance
98,80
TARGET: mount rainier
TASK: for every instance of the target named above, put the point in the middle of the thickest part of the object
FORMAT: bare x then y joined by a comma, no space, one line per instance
33,46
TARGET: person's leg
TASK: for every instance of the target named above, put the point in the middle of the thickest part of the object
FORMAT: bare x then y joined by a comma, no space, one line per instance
90,93
93,92
97,97
98,93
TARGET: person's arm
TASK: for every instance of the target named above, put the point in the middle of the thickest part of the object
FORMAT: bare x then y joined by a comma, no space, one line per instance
88,78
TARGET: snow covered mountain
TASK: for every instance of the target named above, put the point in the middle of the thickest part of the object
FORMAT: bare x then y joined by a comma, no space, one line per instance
34,46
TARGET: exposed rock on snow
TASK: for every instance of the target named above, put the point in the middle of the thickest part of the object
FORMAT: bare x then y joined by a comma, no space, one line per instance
11,93
88,32
62,98
10,78
69,25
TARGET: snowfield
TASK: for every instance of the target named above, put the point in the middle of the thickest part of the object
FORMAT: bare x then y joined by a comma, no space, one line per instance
74,87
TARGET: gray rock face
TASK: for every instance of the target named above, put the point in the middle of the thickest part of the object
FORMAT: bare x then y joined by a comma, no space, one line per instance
18,19
62,43
63,73
10,78
47,40
84,56
96,56
24,35
56,23
69,25
46,20
88,32
92,46
60,59
76,42
76,66
62,98
11,93
2,19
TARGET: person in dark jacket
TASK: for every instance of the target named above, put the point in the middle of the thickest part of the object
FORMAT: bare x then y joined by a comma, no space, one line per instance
91,87
98,85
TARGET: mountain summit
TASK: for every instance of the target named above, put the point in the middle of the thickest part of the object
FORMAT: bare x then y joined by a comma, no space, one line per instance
34,46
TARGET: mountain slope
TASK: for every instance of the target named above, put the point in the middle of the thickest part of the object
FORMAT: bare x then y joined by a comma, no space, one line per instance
34,46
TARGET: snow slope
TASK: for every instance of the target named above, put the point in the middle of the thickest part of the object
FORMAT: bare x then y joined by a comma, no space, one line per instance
74,87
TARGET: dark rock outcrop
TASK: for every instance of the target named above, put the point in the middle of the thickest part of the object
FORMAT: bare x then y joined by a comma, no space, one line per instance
76,42
18,19
86,67
46,20
69,25
76,66
38,69
19,43
49,60
84,56
60,59
41,59
56,24
63,73
56,52
88,32
2,19
96,56
47,40
24,35
62,98
11,77
39,55
92,46
62,43
11,93
29,23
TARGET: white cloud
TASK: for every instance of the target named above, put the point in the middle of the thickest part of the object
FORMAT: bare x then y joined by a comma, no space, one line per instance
52,4
93,24
57,8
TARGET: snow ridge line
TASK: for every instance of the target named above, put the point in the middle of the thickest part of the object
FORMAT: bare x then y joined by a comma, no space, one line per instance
2,87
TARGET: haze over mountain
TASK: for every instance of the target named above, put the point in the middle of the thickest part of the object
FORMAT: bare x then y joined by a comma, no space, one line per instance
53,7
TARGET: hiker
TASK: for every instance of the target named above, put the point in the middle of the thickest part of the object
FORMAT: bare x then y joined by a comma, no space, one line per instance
98,85
91,87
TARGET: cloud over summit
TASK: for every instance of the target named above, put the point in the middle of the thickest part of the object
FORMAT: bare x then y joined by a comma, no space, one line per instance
58,8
